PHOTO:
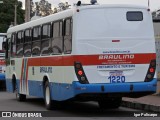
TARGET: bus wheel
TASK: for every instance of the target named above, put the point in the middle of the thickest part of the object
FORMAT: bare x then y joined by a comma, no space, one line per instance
111,103
51,104
19,97
47,93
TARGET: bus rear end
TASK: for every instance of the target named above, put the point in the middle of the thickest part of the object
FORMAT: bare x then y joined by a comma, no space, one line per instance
115,52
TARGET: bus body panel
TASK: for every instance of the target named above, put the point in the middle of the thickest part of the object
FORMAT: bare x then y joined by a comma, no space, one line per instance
122,45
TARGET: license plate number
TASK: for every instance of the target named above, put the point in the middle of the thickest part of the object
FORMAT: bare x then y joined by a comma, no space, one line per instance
117,77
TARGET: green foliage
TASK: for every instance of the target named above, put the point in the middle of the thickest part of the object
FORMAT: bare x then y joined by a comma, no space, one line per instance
41,8
7,14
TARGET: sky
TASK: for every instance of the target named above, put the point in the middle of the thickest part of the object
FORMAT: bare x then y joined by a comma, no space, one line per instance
154,4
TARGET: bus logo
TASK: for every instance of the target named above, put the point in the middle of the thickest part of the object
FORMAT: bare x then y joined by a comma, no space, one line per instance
118,57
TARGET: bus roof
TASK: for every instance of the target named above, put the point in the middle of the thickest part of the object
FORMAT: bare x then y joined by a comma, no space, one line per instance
65,14
47,19
113,6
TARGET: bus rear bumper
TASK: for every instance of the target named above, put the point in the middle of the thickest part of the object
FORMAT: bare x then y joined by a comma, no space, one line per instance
120,89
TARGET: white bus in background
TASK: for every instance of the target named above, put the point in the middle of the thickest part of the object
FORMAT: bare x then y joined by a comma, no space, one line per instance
90,53
2,60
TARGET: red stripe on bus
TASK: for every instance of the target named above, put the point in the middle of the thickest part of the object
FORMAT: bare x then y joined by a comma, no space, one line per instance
92,60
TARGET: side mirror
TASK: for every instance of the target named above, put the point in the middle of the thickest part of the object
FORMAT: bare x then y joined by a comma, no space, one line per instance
4,45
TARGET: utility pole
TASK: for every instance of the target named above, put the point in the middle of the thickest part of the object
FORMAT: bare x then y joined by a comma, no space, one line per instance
27,10
15,15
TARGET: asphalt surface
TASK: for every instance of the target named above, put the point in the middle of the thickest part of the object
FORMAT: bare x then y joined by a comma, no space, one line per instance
78,110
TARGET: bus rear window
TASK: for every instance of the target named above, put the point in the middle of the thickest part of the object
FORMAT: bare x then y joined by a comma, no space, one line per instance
134,16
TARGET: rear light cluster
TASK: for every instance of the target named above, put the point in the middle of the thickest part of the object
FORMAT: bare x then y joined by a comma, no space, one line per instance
80,73
151,71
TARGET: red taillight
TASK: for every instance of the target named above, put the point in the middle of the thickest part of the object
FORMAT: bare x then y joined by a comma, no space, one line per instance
151,70
80,72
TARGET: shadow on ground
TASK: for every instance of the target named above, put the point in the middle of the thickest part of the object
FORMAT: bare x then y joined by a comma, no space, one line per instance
81,109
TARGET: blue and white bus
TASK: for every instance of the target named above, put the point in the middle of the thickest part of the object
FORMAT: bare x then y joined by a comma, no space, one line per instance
90,53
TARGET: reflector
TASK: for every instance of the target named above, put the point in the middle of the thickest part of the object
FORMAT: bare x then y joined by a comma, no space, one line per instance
78,66
153,63
149,76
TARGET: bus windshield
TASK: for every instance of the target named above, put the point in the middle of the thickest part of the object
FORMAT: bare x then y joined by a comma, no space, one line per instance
2,39
117,22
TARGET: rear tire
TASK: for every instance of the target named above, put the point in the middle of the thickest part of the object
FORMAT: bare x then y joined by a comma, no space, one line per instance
47,98
19,97
51,104
111,103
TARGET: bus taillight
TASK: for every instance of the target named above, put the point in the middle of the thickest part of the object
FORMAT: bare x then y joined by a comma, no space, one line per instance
151,71
80,73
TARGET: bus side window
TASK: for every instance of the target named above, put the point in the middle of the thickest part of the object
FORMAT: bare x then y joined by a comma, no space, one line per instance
27,42
57,38
46,42
19,44
36,43
12,48
68,36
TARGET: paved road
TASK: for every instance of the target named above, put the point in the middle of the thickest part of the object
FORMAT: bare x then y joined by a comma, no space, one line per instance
89,110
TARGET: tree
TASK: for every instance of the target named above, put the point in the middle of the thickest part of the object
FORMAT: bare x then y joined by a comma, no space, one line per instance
156,14
42,8
63,6
7,14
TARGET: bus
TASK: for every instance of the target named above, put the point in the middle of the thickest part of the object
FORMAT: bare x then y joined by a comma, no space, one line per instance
87,53
2,60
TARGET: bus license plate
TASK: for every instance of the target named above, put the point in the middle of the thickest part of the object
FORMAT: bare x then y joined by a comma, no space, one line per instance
116,77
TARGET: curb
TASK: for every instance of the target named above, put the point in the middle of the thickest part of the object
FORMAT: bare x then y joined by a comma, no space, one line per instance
140,106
